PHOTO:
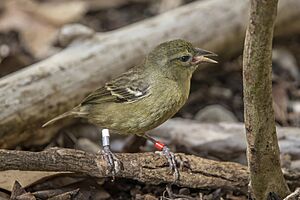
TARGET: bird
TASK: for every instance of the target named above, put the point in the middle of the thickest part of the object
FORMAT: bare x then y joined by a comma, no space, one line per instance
144,97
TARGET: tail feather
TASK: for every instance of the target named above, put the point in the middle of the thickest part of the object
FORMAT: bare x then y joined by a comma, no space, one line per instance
66,114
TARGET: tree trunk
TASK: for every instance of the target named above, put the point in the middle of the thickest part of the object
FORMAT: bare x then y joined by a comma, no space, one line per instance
263,151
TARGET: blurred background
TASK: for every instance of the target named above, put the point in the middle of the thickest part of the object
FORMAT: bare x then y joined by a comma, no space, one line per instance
28,27
28,34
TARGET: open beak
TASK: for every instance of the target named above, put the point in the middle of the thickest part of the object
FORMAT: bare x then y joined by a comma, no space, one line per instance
201,56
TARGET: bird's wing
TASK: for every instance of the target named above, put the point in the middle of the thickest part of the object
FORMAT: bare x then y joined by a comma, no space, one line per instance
127,88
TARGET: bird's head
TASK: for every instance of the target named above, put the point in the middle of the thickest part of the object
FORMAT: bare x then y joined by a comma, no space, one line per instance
178,57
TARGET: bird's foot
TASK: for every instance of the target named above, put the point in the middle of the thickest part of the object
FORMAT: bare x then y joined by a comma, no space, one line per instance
171,160
113,163
165,151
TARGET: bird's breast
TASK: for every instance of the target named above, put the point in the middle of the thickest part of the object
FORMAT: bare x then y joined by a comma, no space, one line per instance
162,104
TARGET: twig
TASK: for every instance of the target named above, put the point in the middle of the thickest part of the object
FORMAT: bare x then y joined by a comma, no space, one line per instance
293,196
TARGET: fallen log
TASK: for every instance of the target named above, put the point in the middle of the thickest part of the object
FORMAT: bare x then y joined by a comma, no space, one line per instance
39,92
225,141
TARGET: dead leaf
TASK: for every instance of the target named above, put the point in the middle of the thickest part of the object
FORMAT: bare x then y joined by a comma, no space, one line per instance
38,23
59,13
26,178
66,196
19,193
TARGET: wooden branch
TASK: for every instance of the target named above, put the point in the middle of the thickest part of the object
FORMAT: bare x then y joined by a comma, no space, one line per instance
44,90
148,168
145,167
262,150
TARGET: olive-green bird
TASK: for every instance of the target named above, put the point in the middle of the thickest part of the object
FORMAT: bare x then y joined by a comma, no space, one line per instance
145,96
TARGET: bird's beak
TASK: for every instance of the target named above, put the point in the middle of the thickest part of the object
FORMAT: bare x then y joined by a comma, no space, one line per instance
201,56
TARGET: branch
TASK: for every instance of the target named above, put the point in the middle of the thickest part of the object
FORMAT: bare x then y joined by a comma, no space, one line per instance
145,167
263,150
148,168
44,90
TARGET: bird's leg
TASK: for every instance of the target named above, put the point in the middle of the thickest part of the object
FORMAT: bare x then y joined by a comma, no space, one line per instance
167,153
112,161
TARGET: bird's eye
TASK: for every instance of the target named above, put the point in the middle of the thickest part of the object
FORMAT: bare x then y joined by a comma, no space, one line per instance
184,58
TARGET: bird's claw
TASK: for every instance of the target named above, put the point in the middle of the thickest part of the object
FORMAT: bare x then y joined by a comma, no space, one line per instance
172,162
114,164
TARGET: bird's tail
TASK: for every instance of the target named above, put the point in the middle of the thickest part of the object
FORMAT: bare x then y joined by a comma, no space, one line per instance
74,112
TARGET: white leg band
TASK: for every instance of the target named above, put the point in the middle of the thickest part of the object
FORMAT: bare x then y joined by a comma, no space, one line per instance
105,137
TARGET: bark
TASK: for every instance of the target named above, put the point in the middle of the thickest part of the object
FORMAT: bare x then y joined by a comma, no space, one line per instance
46,89
149,168
263,150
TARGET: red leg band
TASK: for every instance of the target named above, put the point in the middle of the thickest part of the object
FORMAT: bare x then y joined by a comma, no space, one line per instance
159,145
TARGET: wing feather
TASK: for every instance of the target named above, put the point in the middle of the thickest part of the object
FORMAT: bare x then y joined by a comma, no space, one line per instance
127,88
